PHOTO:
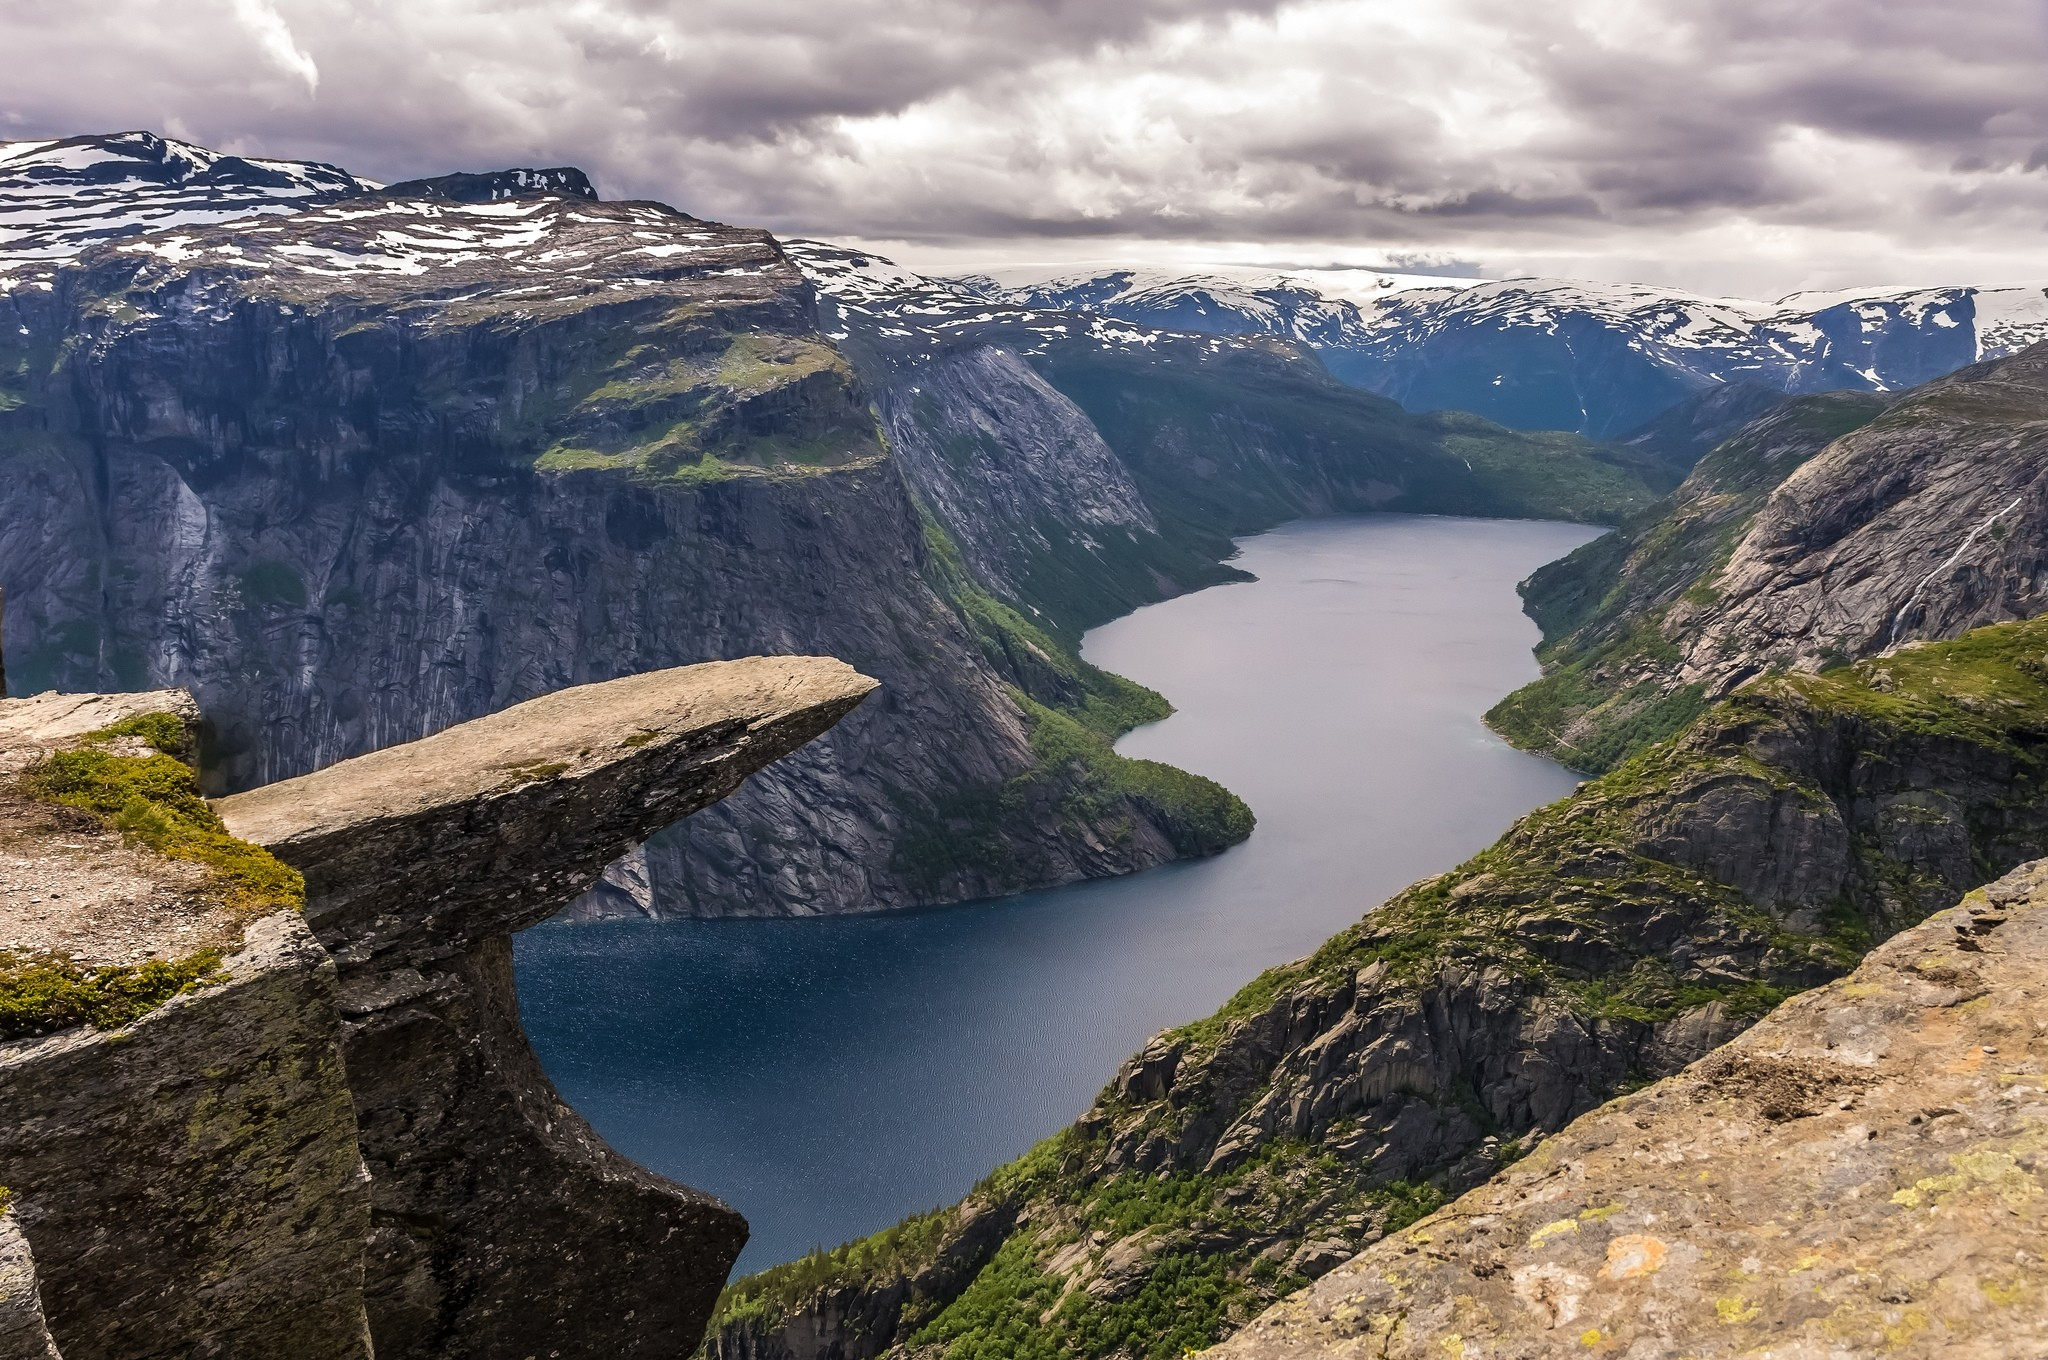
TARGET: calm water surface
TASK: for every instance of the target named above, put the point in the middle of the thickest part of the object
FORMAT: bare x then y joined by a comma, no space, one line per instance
827,1077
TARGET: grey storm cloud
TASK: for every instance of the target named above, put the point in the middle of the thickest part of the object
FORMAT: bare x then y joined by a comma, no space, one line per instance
1773,132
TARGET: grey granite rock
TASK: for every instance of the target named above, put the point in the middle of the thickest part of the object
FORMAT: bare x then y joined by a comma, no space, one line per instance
191,1184
1861,1174
24,1335
502,1224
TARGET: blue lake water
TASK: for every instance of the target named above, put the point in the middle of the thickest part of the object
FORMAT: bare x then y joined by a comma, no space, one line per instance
828,1076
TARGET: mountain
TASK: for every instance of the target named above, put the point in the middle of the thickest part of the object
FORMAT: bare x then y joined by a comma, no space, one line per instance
59,196
354,464
1598,359
1606,941
1813,677
1213,435
1830,529
357,472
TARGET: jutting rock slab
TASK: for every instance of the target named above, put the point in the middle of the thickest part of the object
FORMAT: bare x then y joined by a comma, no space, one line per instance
1863,1173
503,1226
235,1129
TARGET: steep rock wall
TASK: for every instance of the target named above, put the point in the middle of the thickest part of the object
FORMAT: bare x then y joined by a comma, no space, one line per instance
191,1183
347,504
324,1133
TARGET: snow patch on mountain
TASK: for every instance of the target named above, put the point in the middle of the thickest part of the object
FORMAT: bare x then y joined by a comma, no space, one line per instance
60,196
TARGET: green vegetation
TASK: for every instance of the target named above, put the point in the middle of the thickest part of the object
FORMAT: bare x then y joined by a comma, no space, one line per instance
1609,610
42,994
1143,1247
1074,712
1124,1235
1236,440
154,801
693,398
274,583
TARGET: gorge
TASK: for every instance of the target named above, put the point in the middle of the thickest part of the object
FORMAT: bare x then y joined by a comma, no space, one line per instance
392,472
828,1077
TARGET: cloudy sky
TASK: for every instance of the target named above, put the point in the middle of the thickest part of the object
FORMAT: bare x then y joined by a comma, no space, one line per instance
1738,146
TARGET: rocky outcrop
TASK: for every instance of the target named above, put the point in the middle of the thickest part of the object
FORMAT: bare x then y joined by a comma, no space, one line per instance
24,1334
1926,523
420,861
185,1169
1861,1173
1609,611
1832,528
191,1182
327,1136
1608,940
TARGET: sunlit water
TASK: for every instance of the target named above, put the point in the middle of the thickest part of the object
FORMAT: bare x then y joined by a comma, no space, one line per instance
828,1076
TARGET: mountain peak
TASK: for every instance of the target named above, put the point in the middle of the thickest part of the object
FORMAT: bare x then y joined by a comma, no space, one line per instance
60,195
498,186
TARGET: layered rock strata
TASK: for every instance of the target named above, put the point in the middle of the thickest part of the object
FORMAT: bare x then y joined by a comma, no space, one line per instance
1864,1172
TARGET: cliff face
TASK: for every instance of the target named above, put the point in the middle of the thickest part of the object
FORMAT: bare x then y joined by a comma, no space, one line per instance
1861,1173
1611,610
1088,465
359,472
364,464
1607,940
230,1128
1830,529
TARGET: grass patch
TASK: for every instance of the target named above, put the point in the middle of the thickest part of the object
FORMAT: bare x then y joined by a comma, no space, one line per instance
154,801
42,994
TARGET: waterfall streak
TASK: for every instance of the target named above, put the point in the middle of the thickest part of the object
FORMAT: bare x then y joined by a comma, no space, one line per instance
1899,619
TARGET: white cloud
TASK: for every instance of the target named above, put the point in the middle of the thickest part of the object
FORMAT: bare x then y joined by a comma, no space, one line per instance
269,29
1746,145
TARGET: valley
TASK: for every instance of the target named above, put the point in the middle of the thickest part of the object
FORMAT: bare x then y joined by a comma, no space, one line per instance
897,1057
428,550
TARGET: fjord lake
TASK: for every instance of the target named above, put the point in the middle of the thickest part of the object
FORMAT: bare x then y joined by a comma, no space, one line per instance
827,1076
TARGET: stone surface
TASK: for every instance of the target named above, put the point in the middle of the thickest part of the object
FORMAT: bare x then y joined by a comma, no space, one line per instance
24,1335
1860,1174
69,884
191,1184
1926,523
502,1225
1609,939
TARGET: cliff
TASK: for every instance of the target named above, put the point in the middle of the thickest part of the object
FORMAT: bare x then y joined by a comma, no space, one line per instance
263,1088
353,471
1604,942
1859,1174
1089,465
1830,529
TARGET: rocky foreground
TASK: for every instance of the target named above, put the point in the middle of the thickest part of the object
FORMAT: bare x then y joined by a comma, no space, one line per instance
1605,942
1865,1172
263,1088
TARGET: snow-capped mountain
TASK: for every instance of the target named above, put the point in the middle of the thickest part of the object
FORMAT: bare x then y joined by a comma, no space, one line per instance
58,197
1552,354
906,317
